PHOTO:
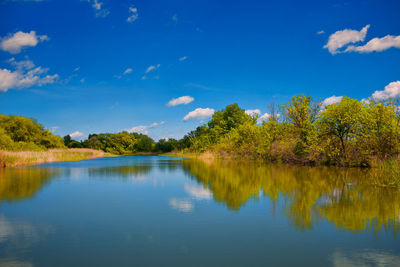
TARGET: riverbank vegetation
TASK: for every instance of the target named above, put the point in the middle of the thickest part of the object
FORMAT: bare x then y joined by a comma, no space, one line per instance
18,133
24,141
21,158
347,133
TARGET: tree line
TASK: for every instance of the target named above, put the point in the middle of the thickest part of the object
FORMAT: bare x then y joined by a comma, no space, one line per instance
304,131
347,133
125,143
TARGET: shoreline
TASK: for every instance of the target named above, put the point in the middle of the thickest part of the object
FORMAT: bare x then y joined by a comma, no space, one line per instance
26,158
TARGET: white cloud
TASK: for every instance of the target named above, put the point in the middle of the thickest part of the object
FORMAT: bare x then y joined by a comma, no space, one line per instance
20,40
133,14
180,100
365,101
392,90
320,32
183,58
197,86
144,129
97,5
198,192
339,39
152,67
21,65
76,134
263,118
376,45
331,100
199,113
127,71
77,68
182,205
98,8
25,75
253,112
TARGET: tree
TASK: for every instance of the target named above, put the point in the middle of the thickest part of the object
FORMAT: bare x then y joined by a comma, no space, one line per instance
381,129
301,110
229,118
26,134
342,120
67,140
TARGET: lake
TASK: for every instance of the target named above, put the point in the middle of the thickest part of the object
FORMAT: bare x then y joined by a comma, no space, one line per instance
161,211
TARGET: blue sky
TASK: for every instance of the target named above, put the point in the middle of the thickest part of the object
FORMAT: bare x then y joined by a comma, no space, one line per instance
216,52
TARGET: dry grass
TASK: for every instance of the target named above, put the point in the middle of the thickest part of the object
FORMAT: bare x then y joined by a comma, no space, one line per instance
13,159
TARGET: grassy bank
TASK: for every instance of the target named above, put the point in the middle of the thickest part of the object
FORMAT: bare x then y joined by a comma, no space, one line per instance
21,158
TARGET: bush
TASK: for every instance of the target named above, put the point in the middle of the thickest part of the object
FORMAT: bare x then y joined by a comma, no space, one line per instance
19,133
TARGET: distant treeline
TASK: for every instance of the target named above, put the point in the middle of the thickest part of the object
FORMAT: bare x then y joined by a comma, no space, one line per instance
18,133
125,143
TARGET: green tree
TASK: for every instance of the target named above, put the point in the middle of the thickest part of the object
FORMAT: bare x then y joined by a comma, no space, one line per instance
301,112
67,140
342,121
231,117
381,129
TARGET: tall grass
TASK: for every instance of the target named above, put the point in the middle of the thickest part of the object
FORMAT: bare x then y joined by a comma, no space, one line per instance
13,159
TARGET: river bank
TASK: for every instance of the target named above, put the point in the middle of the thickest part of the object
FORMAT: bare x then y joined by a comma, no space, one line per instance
22,158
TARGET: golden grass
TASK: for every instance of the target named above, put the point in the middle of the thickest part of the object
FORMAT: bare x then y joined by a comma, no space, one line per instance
13,159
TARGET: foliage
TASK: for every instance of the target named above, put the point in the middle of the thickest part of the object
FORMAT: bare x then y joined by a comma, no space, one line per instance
351,133
18,133
348,133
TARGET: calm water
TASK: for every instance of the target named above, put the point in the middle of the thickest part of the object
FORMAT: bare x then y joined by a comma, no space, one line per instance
163,211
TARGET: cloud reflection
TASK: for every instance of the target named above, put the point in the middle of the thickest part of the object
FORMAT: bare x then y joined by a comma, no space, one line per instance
198,192
182,205
365,258
14,263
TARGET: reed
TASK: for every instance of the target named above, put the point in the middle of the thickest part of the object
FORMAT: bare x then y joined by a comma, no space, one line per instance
14,159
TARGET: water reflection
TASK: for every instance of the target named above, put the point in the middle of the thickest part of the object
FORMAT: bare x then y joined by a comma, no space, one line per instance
124,172
343,197
364,258
24,183
21,183
22,234
19,235
182,205
197,192
306,195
